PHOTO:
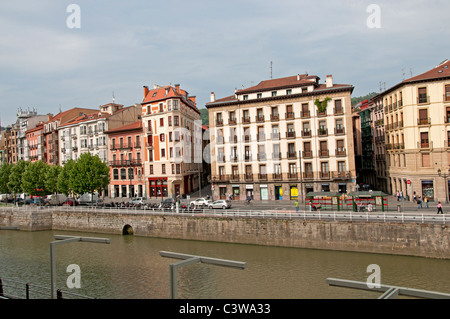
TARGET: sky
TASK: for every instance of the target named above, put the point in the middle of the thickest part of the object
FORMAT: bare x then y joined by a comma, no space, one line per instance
54,57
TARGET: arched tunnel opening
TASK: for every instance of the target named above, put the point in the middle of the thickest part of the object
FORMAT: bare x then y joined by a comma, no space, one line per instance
127,230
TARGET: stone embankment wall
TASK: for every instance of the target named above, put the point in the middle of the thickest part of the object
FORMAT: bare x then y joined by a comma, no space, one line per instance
414,239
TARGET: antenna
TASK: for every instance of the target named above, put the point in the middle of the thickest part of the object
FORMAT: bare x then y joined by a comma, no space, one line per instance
271,69
410,71
403,74
113,97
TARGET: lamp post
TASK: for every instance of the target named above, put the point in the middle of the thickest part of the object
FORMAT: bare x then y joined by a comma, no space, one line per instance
444,176
301,176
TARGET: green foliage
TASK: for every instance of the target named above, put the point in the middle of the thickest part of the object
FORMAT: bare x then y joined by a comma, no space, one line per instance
322,106
33,178
63,183
204,115
357,99
15,178
51,178
5,171
88,174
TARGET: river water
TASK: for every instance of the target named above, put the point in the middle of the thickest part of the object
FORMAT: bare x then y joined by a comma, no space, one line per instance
131,267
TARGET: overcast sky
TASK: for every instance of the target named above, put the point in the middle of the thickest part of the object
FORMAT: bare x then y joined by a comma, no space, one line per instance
205,46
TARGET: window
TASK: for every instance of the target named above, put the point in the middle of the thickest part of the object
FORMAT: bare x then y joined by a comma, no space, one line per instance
123,173
130,173
426,159
235,171
161,122
423,117
176,121
292,168
338,107
274,93
178,168
163,152
151,169
288,91
246,97
447,93
423,98
169,105
175,105
115,174
170,121
424,143
161,107
341,167
259,96
161,137
163,168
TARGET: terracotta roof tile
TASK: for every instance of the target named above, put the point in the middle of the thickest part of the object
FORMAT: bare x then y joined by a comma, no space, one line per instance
440,71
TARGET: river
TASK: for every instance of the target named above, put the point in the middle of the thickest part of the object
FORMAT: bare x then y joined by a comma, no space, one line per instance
131,267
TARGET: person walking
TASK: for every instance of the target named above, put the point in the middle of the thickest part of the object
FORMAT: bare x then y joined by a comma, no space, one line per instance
419,203
398,196
425,200
439,208
296,206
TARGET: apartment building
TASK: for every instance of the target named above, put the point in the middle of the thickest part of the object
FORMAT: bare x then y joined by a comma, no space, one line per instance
272,141
173,141
36,145
417,126
86,133
50,133
126,149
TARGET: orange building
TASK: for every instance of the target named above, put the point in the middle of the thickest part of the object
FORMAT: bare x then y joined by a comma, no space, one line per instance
35,142
125,161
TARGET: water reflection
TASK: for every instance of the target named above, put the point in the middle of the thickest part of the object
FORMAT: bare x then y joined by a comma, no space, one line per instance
131,267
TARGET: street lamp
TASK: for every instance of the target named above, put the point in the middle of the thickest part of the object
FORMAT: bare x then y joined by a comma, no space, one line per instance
444,176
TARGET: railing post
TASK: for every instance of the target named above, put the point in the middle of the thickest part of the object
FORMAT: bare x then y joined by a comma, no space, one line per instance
1,287
27,291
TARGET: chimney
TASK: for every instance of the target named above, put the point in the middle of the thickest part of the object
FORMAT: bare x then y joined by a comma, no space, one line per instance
145,91
298,77
177,88
213,97
329,81
192,98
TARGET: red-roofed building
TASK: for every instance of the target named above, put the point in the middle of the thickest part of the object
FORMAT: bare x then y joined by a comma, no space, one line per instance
173,141
417,134
270,141
126,149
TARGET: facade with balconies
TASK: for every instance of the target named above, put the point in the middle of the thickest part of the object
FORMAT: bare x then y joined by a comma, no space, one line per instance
271,142
417,131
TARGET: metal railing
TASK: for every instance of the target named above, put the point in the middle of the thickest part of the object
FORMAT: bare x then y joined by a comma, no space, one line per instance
14,289
332,215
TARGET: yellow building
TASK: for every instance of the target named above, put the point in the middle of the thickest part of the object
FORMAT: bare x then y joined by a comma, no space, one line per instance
417,134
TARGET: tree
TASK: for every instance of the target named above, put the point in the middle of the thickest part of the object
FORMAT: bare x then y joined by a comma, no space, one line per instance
63,183
15,179
5,172
89,174
33,178
51,178
322,106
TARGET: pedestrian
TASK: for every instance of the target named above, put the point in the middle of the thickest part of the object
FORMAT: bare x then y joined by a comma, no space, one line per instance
398,196
414,197
439,208
229,196
425,200
419,203
401,195
296,206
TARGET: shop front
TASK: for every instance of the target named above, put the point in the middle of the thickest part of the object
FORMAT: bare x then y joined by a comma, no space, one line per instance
264,192
428,190
158,187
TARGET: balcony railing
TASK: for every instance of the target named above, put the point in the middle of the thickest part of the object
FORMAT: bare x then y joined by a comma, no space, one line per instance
290,134
338,111
306,133
219,122
259,118
341,152
248,176
308,175
233,139
232,121
423,100
322,132
305,114
246,119
324,153
424,121
276,176
290,115
135,162
341,175
262,156
307,154
339,131
261,137
274,117
262,177
324,175
291,155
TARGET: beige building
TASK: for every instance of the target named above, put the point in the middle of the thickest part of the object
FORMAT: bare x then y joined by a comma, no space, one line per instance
173,141
417,127
271,142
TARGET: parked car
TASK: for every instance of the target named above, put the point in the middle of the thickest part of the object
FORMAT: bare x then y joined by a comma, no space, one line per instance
168,203
199,202
137,201
71,202
221,203
55,199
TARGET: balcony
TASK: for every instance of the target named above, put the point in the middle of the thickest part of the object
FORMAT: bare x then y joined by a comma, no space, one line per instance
234,177
322,132
219,140
232,121
149,145
324,153
340,130
341,175
324,175
447,97
276,176
290,115
135,162
341,152
248,176
247,158
308,175
276,156
223,178
247,138
321,114
221,158
246,119
423,99
290,134
219,122
262,177
262,156
424,144
307,154
306,133
305,114
261,137
274,117
424,121
233,159
399,146
148,130
338,111
292,175
259,118
291,155
275,136
233,139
